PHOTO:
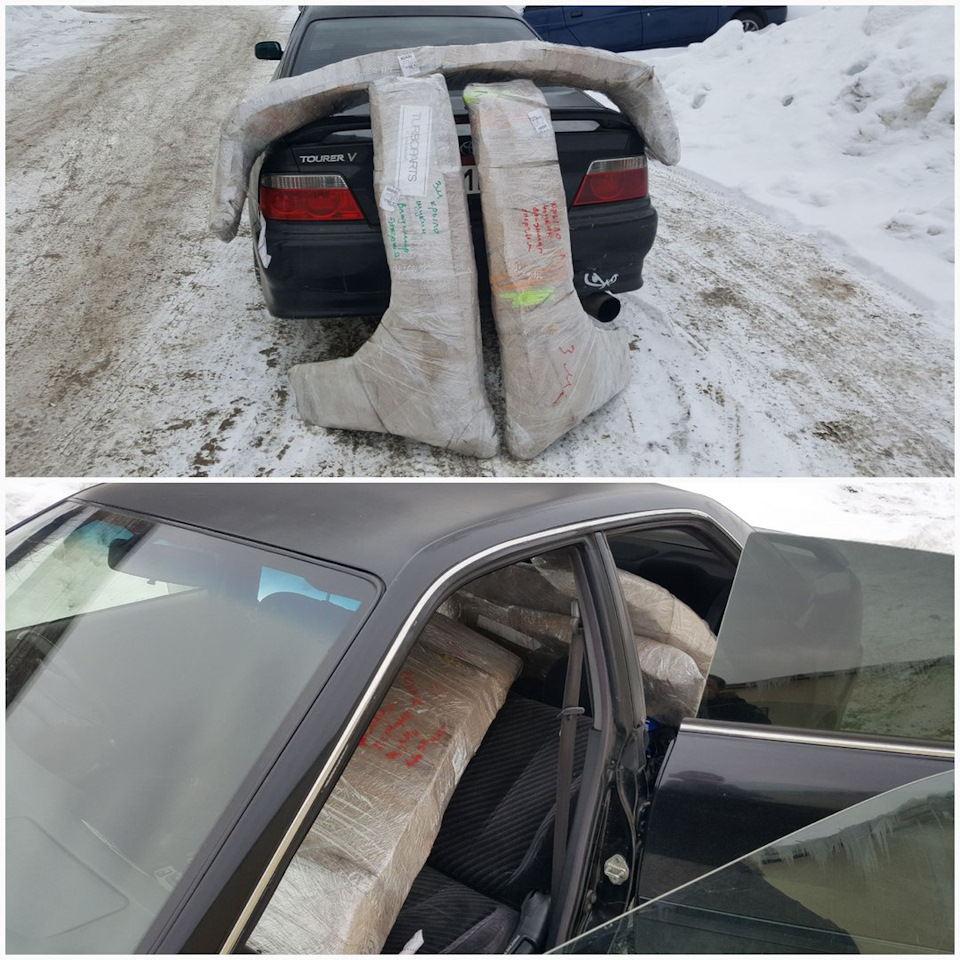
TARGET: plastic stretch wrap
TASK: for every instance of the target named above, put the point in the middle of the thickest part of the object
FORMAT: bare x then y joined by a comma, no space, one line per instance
420,375
286,105
672,683
520,583
537,636
658,614
559,365
667,635
347,882
654,612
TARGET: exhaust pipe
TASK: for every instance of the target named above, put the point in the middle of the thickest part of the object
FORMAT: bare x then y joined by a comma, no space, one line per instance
601,306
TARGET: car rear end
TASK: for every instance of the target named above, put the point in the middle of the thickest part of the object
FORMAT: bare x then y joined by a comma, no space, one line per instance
318,249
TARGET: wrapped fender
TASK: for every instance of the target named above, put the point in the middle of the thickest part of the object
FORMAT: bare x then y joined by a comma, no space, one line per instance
286,105
421,373
346,884
559,365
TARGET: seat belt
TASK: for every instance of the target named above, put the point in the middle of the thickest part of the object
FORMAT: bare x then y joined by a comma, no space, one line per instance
568,728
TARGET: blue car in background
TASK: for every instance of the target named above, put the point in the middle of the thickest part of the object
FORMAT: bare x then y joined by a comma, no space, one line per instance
642,28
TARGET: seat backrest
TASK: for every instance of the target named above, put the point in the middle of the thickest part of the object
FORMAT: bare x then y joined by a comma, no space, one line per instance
347,882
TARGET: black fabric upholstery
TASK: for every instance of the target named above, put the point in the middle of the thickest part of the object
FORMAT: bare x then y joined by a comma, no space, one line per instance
453,918
497,832
496,840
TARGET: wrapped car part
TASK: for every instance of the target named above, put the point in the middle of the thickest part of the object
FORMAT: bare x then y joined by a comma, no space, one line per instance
286,105
672,683
654,612
420,375
559,365
344,887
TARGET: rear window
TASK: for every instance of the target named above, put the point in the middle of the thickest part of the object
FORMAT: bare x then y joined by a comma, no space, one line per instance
329,41
833,635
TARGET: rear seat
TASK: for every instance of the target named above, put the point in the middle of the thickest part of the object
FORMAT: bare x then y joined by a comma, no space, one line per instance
496,841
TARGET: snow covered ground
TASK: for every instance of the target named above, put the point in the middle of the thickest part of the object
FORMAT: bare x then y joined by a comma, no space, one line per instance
907,513
796,318
841,120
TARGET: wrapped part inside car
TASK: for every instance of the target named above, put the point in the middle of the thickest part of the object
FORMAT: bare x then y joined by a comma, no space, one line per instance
674,646
344,888
464,718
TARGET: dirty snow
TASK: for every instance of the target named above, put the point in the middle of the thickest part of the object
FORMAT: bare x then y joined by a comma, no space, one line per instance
774,336
905,513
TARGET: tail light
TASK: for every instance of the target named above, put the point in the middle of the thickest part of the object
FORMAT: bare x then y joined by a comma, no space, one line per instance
313,197
607,181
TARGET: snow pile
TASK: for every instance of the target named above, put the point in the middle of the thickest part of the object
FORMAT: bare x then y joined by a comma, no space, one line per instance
843,118
918,514
36,36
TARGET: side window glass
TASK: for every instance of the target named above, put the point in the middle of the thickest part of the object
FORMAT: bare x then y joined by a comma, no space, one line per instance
441,824
874,878
831,635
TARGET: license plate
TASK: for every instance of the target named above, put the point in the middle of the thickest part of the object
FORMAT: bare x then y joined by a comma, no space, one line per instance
471,179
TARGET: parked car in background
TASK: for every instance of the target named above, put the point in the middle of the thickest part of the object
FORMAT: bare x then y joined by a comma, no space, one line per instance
642,28
318,250
325,719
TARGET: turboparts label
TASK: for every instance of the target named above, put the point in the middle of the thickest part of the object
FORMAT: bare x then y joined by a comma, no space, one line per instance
540,123
408,64
389,197
413,156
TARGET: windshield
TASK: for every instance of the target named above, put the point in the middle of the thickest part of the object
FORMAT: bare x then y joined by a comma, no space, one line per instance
151,672
329,41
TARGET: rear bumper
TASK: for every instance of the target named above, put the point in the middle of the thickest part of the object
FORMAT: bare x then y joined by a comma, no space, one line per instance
335,270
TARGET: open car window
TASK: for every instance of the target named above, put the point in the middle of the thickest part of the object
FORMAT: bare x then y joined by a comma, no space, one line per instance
874,878
833,635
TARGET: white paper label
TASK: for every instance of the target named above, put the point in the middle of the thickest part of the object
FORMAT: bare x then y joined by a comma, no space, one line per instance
389,197
262,245
414,150
540,123
408,64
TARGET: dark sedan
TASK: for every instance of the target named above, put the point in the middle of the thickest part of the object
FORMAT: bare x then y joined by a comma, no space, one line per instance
643,28
318,249
472,718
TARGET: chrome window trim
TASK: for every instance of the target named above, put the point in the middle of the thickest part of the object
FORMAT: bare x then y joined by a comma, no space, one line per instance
582,527
819,738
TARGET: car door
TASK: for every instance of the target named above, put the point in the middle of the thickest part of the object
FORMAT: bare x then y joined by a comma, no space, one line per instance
832,682
675,26
609,28
874,878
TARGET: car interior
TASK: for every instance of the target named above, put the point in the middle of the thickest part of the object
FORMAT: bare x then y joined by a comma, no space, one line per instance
463,862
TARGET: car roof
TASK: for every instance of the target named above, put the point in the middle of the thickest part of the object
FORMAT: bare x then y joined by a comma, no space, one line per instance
362,10
381,527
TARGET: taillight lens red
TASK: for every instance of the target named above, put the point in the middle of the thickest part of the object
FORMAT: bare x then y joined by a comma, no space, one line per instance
318,197
607,181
